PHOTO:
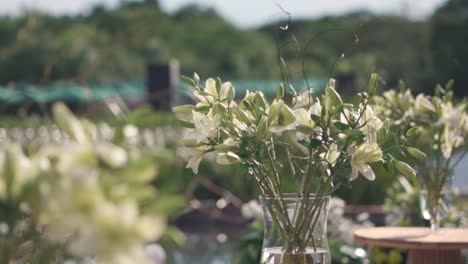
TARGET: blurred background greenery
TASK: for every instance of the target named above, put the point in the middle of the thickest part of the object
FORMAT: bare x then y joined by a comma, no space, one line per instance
109,44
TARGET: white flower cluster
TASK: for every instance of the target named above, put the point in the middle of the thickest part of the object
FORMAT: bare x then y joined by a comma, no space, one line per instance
442,124
339,133
79,194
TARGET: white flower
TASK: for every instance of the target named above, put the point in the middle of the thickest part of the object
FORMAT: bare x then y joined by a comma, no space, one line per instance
112,155
453,120
205,127
332,154
363,154
371,124
303,118
422,105
212,93
194,156
302,100
252,210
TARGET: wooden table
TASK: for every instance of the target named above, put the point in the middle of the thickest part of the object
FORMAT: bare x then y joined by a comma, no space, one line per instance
442,247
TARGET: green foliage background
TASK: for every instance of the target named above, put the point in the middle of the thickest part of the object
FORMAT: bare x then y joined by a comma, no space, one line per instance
106,45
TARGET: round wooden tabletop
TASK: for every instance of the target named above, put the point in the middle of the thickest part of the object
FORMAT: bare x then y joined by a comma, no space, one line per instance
414,237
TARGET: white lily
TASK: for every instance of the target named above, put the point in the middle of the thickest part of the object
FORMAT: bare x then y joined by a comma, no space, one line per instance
194,156
422,105
453,120
212,92
361,156
332,154
205,127
371,125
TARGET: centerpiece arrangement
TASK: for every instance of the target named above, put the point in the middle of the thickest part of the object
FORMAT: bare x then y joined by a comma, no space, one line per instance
320,143
440,136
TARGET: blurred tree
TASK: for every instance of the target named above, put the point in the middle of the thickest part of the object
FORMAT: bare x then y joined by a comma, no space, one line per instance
449,40
111,44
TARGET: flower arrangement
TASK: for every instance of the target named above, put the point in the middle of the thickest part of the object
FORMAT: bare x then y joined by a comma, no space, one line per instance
439,135
78,200
322,143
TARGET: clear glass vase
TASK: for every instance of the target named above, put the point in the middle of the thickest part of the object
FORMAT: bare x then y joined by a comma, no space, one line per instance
295,230
435,202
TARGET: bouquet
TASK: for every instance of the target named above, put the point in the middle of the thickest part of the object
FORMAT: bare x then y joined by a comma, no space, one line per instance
321,143
440,130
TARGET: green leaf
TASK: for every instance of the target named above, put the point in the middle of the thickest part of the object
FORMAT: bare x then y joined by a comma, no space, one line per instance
275,110
401,86
412,131
449,85
204,108
287,116
231,94
354,133
167,204
340,126
219,108
186,123
439,90
241,115
259,100
315,143
188,81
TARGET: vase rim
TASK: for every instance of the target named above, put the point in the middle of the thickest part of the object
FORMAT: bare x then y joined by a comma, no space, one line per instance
292,196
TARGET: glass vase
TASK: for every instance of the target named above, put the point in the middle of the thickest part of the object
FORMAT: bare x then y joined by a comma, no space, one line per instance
435,203
295,230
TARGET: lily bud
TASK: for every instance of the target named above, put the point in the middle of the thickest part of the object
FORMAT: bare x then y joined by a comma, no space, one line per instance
305,129
196,78
183,109
404,168
332,98
222,147
231,93
262,128
416,153
218,86
373,83
191,143
280,91
227,158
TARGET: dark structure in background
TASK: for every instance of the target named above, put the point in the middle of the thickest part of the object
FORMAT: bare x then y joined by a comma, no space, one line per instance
162,85
346,84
